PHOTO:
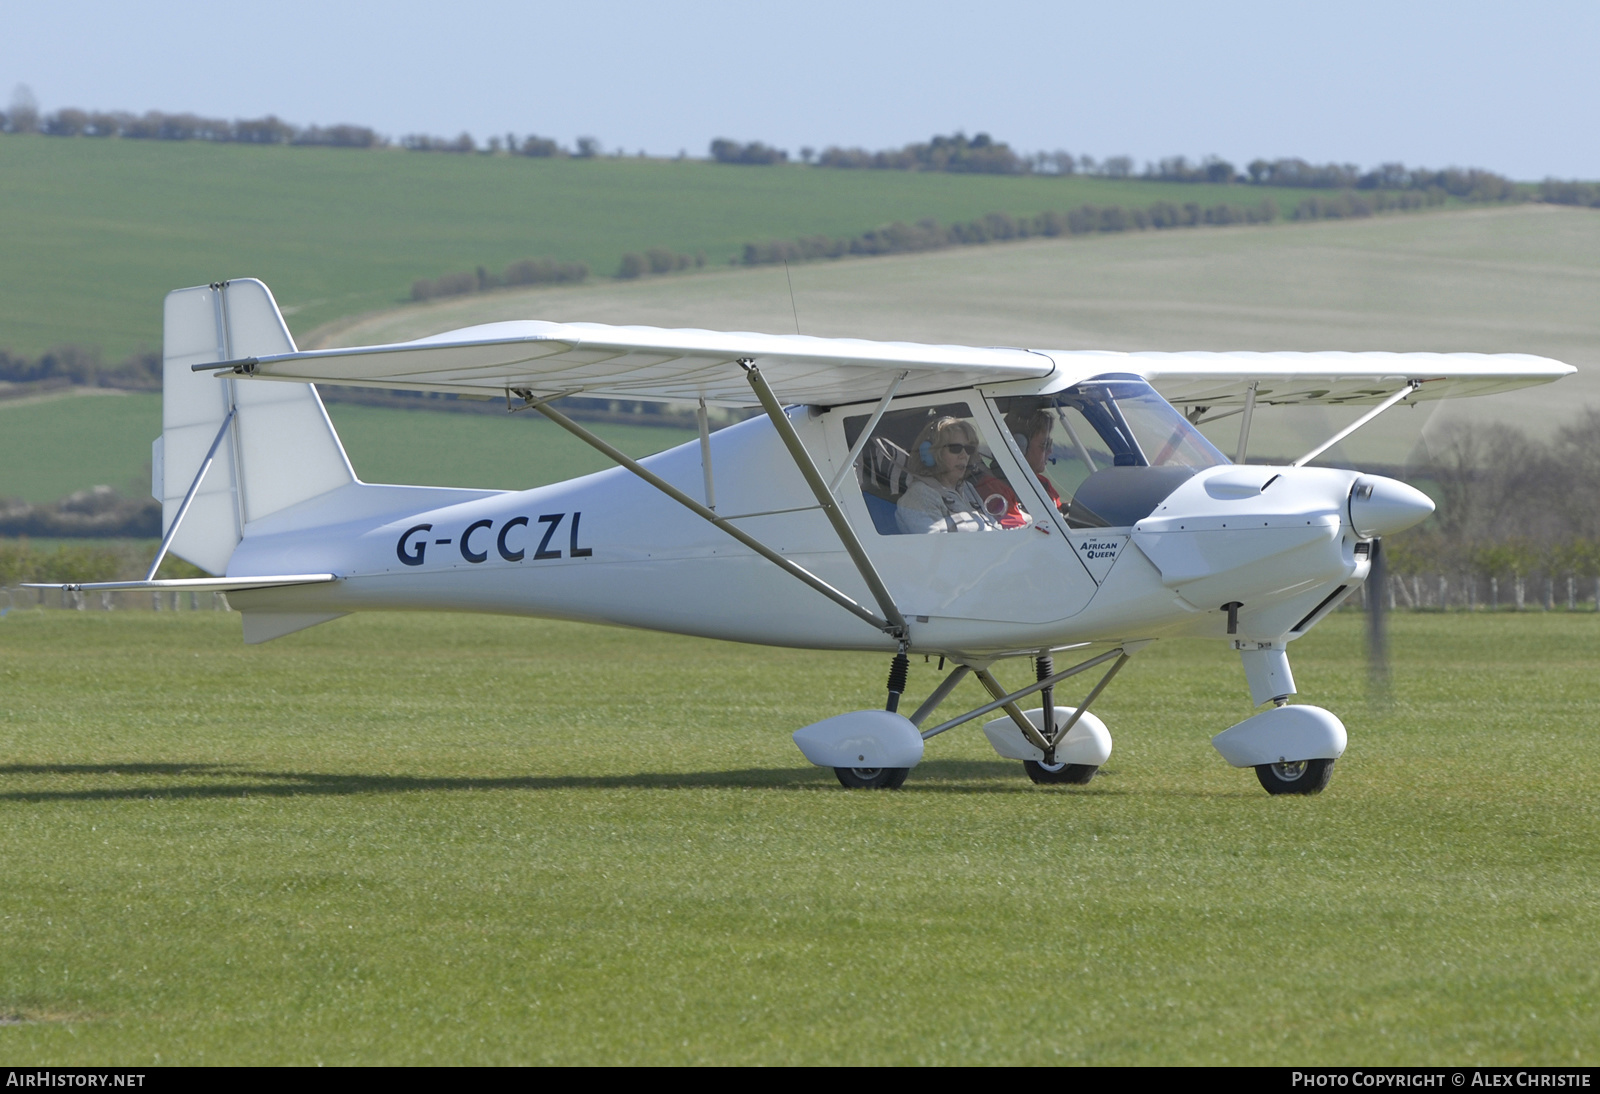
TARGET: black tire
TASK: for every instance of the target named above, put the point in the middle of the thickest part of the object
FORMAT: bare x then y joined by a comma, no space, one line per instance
1304,777
871,778
1059,774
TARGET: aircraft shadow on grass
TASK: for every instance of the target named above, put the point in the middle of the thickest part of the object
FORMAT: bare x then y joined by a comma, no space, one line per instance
938,776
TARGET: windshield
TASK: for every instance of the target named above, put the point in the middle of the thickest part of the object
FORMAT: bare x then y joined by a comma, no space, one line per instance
1110,446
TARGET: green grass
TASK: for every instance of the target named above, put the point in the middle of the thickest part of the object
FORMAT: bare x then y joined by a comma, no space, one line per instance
50,449
93,233
442,839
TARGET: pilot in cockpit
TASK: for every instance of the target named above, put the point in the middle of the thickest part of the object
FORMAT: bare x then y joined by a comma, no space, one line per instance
941,496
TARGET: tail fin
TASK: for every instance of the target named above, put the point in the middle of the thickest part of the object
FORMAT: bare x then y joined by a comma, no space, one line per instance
280,449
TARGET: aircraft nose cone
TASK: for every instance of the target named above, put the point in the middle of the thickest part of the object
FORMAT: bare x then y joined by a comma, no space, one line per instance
1382,507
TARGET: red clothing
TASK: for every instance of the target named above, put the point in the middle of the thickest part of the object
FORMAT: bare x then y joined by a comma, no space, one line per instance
1000,501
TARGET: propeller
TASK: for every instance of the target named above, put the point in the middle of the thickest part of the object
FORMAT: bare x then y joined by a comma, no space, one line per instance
1377,624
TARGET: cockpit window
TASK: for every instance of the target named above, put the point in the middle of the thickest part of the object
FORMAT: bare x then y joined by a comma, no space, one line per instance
1111,447
932,469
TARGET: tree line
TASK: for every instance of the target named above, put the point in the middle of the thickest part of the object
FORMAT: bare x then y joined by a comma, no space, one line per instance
928,234
1557,192
82,366
955,153
1512,509
982,154
24,116
529,271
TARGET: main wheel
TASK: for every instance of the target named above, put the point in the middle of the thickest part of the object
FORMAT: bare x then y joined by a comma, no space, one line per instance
1295,777
1057,774
871,778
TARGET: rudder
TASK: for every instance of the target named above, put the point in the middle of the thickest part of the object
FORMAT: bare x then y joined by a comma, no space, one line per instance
280,449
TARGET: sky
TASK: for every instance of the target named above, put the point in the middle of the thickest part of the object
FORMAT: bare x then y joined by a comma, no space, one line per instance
1510,87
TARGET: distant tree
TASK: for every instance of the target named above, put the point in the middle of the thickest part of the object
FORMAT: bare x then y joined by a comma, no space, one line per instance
1055,163
65,123
339,136
104,124
753,154
539,147
1556,192
268,130
23,117
588,148
807,153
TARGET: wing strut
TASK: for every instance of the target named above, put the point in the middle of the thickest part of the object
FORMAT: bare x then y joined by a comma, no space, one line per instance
1411,385
866,432
843,600
847,535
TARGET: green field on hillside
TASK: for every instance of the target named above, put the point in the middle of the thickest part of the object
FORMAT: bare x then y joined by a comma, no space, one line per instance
448,839
1524,279
93,233
1506,280
50,449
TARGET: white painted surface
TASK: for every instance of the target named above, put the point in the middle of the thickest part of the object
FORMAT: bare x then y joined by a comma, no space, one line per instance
1266,670
862,738
282,449
1088,742
1283,735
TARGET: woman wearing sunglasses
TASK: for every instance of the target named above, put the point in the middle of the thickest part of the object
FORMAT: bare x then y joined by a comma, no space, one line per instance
942,497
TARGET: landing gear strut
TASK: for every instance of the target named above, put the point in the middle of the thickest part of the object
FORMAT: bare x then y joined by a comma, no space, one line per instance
1044,772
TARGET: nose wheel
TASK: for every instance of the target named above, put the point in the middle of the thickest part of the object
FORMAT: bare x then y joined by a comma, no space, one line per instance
1295,777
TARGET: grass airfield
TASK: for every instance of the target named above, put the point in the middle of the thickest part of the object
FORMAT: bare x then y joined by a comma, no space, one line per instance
442,839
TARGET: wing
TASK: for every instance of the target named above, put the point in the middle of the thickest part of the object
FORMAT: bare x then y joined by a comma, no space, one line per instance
649,363
1335,378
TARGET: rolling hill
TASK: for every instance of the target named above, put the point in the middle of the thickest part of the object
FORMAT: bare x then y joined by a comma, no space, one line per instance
94,232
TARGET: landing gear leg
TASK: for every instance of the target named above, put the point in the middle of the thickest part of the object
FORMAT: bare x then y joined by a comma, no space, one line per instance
1047,772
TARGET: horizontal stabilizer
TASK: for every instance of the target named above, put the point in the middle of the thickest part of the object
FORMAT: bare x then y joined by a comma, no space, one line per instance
190,584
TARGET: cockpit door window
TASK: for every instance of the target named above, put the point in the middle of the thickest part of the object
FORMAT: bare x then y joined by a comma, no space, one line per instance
1106,451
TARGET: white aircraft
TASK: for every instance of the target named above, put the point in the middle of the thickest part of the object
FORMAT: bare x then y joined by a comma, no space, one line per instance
969,504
